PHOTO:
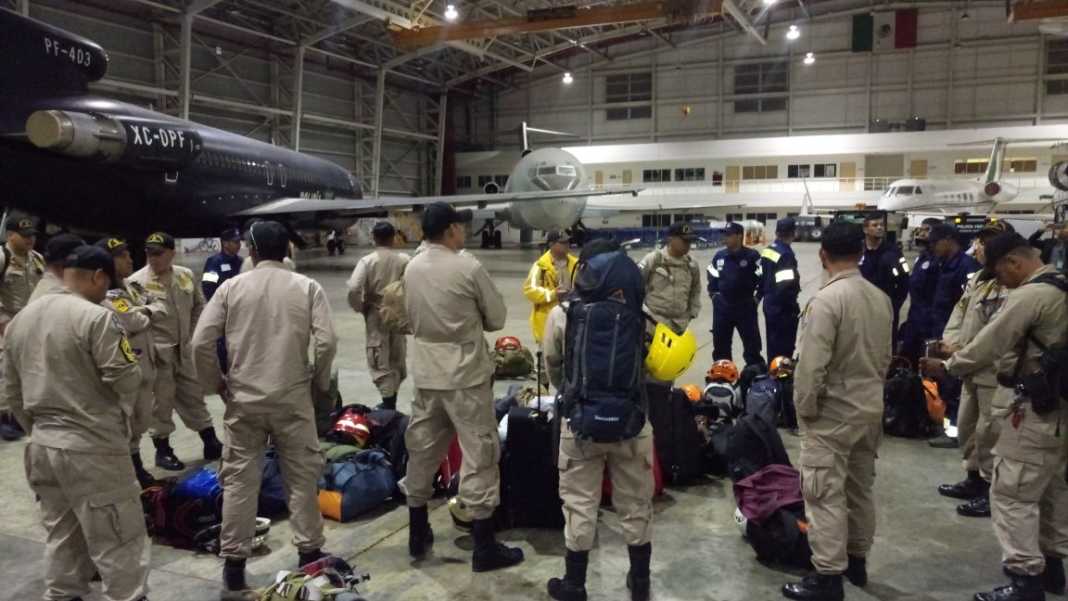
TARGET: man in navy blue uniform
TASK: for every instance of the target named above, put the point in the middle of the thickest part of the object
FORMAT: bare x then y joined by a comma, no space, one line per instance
922,282
734,285
222,265
781,285
883,265
955,268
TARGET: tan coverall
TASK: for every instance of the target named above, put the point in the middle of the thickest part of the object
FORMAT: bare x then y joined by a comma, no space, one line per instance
976,430
70,376
176,387
270,317
844,352
136,317
20,279
386,350
451,301
1028,494
672,288
582,463
48,284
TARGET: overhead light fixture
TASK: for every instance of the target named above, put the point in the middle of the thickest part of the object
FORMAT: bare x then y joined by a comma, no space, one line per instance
809,58
568,79
450,13
793,33
769,2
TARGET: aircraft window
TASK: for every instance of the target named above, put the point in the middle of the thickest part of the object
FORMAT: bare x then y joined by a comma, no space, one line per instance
905,190
547,170
565,170
891,191
282,175
270,173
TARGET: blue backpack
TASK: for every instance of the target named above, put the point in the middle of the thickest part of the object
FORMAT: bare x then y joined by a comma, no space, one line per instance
365,481
762,399
604,352
273,501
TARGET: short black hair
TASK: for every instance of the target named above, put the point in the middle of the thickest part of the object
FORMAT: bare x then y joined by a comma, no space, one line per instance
931,221
843,239
269,239
1003,245
944,231
872,217
383,233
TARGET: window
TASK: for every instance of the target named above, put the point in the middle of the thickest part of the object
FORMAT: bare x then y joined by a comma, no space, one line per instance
970,166
1056,64
1023,166
690,174
826,170
761,217
656,220
732,217
717,178
483,180
656,175
628,88
796,171
761,78
903,191
501,180
689,218
463,182
760,172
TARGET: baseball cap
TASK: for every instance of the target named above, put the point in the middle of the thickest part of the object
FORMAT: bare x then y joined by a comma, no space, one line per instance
115,246
735,229
22,223
995,228
230,235
1001,245
556,236
681,230
438,216
786,226
843,239
159,240
383,229
59,246
943,231
91,258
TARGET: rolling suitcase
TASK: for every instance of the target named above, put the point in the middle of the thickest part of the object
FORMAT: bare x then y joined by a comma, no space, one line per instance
678,442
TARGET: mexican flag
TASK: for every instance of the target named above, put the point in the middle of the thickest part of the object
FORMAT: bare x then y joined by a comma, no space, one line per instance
887,30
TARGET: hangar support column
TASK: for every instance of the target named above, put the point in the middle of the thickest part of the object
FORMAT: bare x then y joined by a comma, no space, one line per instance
376,157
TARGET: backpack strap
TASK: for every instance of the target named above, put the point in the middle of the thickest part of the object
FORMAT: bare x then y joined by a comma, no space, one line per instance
7,261
1051,279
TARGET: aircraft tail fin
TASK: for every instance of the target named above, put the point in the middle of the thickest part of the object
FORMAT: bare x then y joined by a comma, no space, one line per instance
525,131
42,59
997,157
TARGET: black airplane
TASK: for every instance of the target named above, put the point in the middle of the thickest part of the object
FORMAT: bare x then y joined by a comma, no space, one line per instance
92,163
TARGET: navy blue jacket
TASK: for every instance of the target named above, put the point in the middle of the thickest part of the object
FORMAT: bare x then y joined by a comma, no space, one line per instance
781,279
217,269
923,281
735,276
887,269
953,276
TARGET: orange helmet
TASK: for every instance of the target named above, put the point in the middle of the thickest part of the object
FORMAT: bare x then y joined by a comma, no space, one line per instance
781,367
723,370
692,392
508,343
352,427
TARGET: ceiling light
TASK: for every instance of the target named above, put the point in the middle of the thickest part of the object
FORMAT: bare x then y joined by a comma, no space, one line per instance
568,79
450,13
809,58
769,2
793,33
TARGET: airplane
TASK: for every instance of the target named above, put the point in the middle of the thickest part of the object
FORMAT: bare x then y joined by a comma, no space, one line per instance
104,166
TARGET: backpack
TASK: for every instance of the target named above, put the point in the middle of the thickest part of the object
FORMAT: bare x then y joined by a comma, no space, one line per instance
748,446
184,513
336,451
905,413
762,399
387,433
1048,387
603,397
749,374
782,538
513,363
273,501
676,437
392,310
364,481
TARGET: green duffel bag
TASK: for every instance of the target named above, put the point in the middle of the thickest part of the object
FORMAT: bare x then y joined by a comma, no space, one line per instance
513,363
333,451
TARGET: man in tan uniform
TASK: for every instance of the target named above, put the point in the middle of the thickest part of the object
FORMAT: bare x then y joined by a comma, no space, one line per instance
135,311
451,302
21,268
176,387
69,375
386,350
269,317
582,467
844,352
673,280
1028,494
977,432
56,251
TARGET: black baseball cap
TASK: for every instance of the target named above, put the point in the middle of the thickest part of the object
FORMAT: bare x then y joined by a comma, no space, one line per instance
383,229
843,239
438,216
995,228
735,229
22,223
931,221
681,230
91,258
230,235
1001,245
786,226
59,246
943,231
159,241
115,246
557,236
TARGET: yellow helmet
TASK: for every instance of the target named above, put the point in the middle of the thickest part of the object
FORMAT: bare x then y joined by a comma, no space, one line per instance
670,354
461,516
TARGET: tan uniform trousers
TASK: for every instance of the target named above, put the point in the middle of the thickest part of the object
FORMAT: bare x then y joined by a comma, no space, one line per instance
387,354
437,415
177,389
630,465
1028,496
837,475
91,511
294,437
976,428
143,409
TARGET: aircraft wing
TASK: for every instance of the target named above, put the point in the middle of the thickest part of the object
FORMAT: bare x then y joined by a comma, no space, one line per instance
289,206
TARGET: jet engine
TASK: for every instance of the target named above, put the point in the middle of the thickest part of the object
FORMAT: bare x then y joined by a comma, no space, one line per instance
99,137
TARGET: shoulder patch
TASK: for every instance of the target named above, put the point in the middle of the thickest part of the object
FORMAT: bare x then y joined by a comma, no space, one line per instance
127,350
771,254
120,305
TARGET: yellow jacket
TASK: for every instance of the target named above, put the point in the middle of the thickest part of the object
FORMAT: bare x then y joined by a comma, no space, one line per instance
540,288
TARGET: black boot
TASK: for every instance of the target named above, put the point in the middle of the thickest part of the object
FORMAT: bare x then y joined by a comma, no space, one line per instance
1053,577
490,554
420,536
388,402
10,430
815,587
234,586
968,488
857,572
979,507
144,478
638,576
165,458
306,557
1021,588
212,447
572,587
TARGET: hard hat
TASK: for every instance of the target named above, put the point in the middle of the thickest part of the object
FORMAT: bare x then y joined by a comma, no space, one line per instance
723,398
693,393
723,370
353,427
461,516
508,343
670,354
781,367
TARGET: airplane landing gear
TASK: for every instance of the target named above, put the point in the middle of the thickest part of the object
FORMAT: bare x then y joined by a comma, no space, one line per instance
491,236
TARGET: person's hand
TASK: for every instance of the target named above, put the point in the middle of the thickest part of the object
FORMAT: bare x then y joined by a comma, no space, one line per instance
946,349
561,291
933,368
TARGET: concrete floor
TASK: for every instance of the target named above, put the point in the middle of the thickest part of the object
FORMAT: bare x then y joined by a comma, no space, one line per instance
923,550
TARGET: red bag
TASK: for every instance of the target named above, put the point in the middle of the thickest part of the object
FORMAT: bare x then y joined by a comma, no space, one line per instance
448,477
658,481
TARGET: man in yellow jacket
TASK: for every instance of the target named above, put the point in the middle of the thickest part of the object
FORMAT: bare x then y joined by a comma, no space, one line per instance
549,280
